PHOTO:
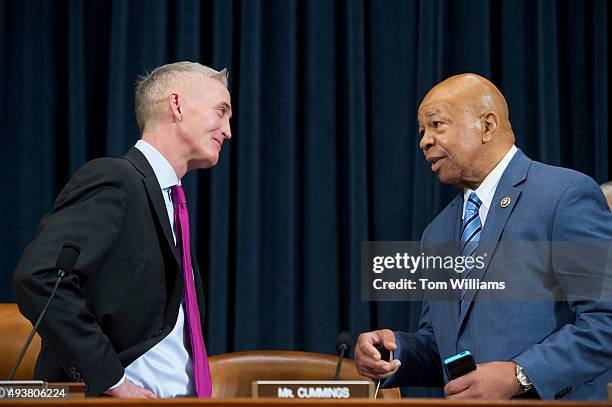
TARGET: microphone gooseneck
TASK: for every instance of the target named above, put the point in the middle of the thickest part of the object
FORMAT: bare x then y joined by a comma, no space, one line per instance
344,344
65,264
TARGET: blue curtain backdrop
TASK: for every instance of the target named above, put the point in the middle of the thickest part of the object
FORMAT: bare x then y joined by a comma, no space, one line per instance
324,153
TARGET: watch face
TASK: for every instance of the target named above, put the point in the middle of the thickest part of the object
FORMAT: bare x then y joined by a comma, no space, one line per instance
522,377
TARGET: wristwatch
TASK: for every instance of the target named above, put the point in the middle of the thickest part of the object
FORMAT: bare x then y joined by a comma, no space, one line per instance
522,379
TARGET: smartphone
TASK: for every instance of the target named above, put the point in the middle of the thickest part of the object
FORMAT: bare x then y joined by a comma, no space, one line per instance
460,364
385,354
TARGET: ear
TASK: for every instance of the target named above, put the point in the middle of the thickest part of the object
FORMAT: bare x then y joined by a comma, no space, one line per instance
175,101
490,123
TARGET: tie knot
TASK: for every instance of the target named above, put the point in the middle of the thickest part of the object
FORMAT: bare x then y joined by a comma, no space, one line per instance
178,195
473,202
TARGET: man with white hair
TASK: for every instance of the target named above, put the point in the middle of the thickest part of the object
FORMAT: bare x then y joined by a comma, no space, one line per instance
128,320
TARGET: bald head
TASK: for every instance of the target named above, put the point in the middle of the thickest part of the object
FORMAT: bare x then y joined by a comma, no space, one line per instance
473,93
464,124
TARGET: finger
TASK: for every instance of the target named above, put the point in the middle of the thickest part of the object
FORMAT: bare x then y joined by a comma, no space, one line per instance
366,373
390,373
368,350
376,375
457,385
384,367
371,366
460,396
369,337
469,393
149,394
387,338
390,345
380,367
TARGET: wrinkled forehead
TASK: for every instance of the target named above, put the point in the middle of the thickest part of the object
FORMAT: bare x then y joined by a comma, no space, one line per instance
432,107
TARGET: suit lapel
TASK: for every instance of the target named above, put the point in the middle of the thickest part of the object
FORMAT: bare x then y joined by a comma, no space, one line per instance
515,173
438,243
457,208
453,306
156,199
199,286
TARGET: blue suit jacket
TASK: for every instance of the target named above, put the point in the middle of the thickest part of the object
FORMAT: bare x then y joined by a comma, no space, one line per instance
564,346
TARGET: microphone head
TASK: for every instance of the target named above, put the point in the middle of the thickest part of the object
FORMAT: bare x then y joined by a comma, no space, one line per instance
345,342
68,258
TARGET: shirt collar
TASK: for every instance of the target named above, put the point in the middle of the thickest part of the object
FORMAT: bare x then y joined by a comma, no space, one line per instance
486,190
161,167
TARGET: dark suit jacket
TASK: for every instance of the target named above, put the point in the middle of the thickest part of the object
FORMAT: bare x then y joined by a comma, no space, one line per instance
124,294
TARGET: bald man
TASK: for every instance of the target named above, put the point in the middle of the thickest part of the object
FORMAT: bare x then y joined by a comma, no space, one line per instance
523,348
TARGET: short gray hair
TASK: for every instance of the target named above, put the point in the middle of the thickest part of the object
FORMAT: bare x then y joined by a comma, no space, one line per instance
151,87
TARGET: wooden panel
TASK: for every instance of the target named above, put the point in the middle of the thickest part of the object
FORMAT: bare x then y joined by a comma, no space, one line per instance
234,373
103,402
14,330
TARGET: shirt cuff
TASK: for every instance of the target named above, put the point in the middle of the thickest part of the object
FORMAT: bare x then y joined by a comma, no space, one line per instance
119,383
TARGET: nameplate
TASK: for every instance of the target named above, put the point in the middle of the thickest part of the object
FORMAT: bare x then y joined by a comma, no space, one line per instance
308,389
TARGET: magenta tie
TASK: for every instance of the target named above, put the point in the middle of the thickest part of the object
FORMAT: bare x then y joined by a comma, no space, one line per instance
201,371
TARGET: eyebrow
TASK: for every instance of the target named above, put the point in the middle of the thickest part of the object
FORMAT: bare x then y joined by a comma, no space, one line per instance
225,105
430,113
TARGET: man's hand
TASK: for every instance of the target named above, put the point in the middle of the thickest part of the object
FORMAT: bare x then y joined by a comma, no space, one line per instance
128,390
367,357
494,380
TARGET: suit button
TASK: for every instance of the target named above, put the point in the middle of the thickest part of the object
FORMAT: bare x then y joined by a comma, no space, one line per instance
158,332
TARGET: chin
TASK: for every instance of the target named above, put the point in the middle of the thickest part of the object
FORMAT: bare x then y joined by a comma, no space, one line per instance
454,181
203,164
209,158
213,161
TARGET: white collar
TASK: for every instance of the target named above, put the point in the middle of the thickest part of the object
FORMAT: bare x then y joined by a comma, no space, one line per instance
161,167
486,190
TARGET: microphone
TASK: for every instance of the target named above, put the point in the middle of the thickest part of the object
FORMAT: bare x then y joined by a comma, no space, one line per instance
65,264
344,344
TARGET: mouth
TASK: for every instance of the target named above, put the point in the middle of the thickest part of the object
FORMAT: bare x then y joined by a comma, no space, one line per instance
219,142
436,162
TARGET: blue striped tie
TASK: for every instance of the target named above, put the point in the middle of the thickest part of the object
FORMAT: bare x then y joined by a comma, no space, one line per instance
470,233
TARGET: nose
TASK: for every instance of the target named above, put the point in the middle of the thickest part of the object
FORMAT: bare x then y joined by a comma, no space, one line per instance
427,141
227,130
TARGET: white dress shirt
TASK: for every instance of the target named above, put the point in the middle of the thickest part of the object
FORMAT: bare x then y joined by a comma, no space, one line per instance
486,190
166,368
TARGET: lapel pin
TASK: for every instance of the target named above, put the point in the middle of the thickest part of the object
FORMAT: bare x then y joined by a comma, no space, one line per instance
505,202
